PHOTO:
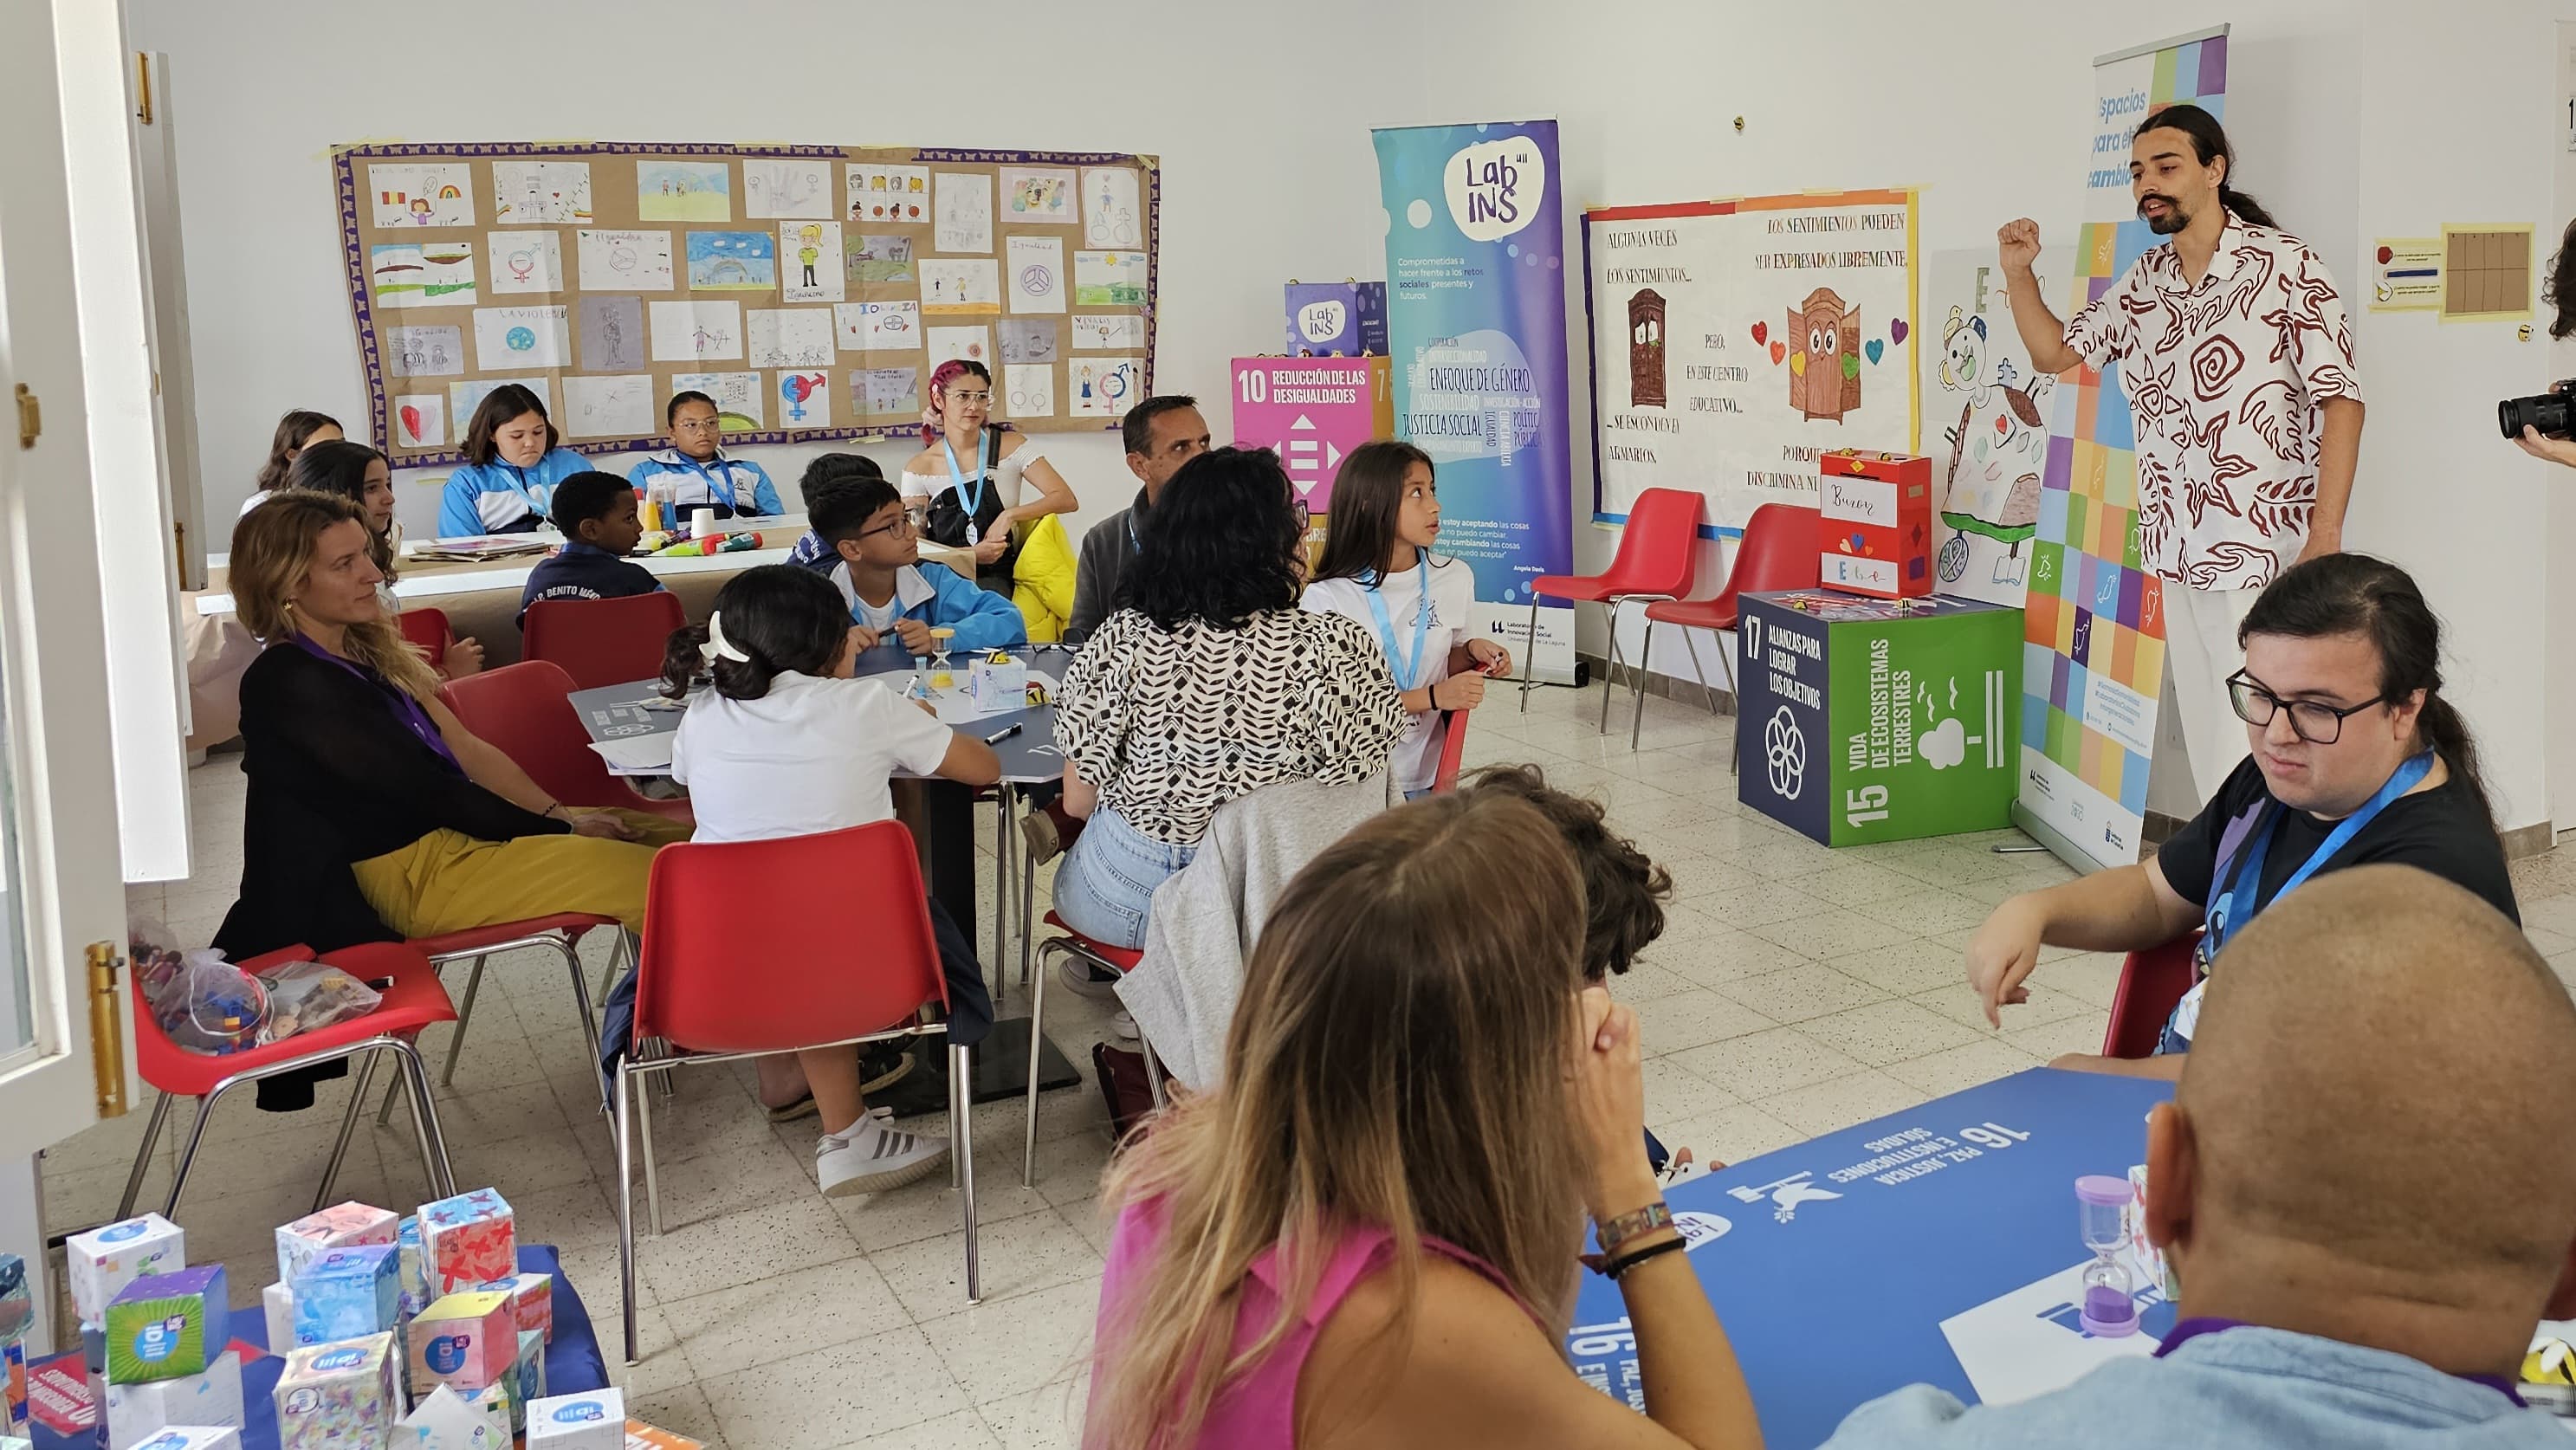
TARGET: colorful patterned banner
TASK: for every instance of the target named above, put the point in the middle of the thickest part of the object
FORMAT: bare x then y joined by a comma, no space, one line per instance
2094,625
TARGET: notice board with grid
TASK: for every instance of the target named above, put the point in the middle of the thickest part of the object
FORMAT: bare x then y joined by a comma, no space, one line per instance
810,290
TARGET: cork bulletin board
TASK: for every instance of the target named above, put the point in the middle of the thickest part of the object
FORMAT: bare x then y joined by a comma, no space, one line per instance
809,289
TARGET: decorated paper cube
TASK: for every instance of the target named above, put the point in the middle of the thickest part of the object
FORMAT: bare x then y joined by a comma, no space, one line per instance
444,1421
339,1396
348,1293
593,1420
168,1326
415,1283
335,1227
105,1260
1877,514
465,1341
193,1437
277,1306
467,1240
213,1400
531,1378
532,1298
497,1401
640,1436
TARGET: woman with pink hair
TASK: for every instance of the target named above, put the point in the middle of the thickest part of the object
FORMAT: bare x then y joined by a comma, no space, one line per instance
975,477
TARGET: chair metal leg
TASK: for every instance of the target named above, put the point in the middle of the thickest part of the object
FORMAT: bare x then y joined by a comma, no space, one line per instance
196,1140
1529,655
1726,659
1611,680
1001,893
143,1156
1037,1035
1028,913
1690,637
1637,684
961,1151
581,1000
424,1120
1153,1073
652,1169
348,1126
625,1212
456,1038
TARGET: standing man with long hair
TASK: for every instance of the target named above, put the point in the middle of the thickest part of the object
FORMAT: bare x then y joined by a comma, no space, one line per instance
2236,356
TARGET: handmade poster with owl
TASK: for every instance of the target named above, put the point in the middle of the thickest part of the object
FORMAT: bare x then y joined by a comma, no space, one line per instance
1824,356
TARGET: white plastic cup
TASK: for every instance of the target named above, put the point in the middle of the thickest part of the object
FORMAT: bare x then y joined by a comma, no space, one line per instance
702,523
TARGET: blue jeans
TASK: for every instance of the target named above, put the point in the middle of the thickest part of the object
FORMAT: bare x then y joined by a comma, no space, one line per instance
1106,885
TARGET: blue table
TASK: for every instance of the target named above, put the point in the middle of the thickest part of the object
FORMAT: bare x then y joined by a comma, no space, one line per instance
1833,1264
573,1362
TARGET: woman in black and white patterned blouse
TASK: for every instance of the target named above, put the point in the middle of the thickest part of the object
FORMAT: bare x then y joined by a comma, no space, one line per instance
1207,684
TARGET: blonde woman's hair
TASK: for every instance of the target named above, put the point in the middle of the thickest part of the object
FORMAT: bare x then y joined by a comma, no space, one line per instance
274,546
1400,1057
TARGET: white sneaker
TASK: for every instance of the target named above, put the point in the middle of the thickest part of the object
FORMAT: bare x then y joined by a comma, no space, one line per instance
1080,976
1124,1024
869,1157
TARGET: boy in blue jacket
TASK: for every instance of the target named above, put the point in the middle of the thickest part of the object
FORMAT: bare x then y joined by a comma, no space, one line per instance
596,512
892,594
694,472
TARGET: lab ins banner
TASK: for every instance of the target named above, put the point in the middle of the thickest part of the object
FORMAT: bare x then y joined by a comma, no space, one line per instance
1476,329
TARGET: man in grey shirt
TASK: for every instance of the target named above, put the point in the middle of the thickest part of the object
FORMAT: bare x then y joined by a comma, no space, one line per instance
1161,434
2357,1185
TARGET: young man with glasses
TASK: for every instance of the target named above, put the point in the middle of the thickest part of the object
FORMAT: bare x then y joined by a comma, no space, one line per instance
2356,758
896,597
694,472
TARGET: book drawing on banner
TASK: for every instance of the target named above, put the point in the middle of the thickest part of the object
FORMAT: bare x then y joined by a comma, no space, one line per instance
2093,620
1985,427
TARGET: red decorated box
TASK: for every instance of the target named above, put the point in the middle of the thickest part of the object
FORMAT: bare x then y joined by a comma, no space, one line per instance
1877,512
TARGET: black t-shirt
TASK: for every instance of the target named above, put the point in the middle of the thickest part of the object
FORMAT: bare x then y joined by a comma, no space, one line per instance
2442,830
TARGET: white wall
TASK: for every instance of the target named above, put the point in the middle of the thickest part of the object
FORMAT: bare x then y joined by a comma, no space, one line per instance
2439,491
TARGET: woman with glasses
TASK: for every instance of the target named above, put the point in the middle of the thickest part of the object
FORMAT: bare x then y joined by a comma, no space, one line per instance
2356,759
972,481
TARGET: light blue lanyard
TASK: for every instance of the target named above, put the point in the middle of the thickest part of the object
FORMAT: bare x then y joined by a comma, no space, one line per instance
974,502
2236,906
514,480
1409,669
716,493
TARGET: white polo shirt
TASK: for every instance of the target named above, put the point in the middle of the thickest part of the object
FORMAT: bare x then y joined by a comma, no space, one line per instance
812,755
1453,603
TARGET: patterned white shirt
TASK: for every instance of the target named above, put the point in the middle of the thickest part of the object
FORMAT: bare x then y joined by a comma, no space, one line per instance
2224,382
1172,725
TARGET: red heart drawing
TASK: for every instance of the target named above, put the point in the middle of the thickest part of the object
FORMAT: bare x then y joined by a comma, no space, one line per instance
1779,350
1761,332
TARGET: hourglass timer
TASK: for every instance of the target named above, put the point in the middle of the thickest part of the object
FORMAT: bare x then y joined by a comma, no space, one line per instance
2108,1310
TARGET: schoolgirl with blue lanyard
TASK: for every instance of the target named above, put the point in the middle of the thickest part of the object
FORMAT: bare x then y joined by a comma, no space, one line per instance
513,460
2355,759
970,484
1378,570
694,472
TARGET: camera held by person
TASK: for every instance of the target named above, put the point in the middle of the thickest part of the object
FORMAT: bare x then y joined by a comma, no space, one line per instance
2544,427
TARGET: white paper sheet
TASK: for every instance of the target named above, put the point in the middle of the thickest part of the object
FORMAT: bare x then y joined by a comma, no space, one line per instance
1102,387
804,398
522,337
964,212
1029,390
422,274
683,191
423,352
624,261
609,407
1035,266
1113,214
1039,194
972,344
794,337
420,420
960,287
889,193
527,262
809,262
436,195
525,192
637,754
738,396
1108,332
879,326
792,188
1109,279
696,331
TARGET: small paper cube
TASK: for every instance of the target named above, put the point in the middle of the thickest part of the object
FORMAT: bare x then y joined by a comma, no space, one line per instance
339,1396
497,1401
168,1326
532,1298
415,1283
105,1260
194,1437
640,1436
531,1379
212,1400
464,1340
997,684
444,1421
348,1293
277,1306
335,1227
467,1240
593,1420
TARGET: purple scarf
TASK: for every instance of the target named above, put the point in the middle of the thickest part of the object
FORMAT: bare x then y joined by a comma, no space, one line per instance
414,716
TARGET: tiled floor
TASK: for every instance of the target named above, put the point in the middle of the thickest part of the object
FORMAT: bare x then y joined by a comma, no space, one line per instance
1796,991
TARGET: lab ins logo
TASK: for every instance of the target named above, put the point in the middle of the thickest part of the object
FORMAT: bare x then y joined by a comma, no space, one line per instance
1494,187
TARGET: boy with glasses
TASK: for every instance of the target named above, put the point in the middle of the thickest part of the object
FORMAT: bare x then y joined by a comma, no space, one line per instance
2356,758
694,473
896,597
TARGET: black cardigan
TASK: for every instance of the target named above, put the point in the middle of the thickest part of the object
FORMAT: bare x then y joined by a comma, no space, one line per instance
336,778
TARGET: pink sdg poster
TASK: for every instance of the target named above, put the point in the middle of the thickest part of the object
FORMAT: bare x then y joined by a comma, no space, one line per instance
1313,411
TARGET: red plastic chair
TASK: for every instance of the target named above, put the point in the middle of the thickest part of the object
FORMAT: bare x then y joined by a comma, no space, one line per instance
1778,551
2152,983
1658,553
413,1002
1453,751
720,984
1121,960
525,712
428,629
602,641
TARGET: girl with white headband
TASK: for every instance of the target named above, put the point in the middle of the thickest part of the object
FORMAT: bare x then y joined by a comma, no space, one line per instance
784,743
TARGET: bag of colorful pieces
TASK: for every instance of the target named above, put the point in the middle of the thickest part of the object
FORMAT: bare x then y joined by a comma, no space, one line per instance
208,1005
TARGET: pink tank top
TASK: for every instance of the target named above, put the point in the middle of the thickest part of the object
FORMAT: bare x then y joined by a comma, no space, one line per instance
1260,1411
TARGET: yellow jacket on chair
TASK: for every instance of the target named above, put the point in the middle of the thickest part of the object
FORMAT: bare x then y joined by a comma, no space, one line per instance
1042,580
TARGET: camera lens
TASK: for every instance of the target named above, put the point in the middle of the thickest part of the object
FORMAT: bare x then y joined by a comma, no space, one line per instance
2548,414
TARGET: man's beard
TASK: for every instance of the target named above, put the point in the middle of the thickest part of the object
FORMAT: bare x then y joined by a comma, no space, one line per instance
2166,225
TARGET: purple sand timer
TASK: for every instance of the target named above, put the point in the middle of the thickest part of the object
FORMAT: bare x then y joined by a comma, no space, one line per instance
2101,1203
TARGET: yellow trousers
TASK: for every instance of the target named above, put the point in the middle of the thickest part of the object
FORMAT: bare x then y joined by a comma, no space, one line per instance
446,881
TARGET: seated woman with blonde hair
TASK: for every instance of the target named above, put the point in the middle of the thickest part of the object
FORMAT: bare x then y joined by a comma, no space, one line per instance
373,814
1366,1237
